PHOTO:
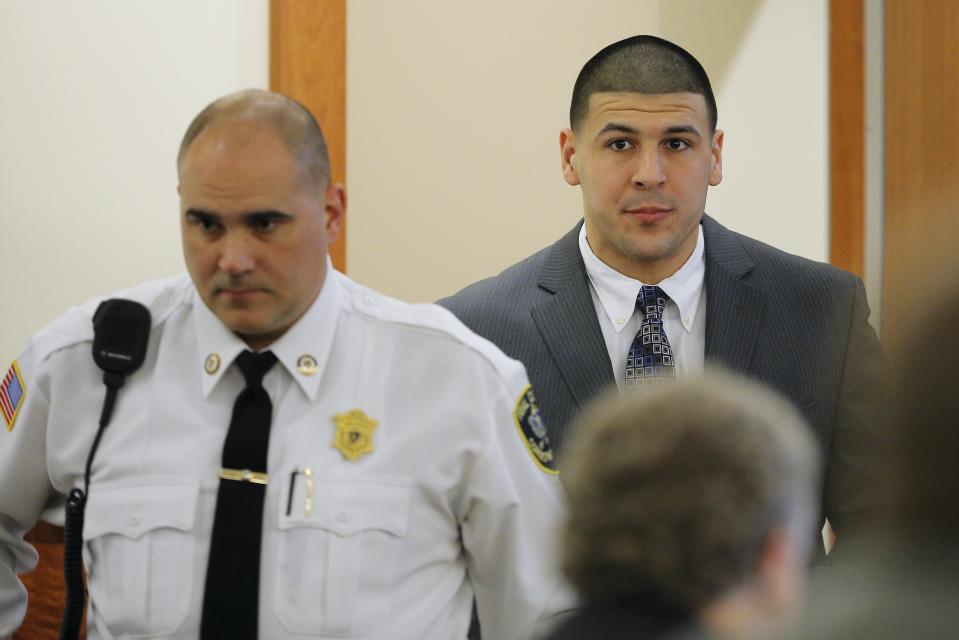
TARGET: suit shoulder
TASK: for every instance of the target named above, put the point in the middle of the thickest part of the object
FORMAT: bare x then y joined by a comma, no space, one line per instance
492,295
430,324
794,269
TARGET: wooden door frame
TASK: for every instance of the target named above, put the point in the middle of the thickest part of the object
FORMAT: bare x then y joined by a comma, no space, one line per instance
308,63
847,135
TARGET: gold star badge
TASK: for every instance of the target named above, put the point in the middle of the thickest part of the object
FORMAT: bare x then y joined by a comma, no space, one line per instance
354,434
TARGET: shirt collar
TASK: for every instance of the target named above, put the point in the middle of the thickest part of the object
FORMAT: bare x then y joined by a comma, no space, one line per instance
303,350
617,292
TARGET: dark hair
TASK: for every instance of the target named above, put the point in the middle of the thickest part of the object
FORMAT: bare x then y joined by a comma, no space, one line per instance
641,64
300,131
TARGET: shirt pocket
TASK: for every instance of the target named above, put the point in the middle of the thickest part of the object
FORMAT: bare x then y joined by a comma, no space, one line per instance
337,559
140,556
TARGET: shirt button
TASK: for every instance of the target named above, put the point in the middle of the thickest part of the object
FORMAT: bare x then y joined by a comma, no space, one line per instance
133,521
342,516
369,301
620,320
685,319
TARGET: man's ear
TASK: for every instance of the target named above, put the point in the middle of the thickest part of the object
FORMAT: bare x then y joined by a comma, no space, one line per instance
781,571
716,158
567,152
335,197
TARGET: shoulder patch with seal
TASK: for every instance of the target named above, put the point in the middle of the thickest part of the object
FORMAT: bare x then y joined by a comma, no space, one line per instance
12,393
533,431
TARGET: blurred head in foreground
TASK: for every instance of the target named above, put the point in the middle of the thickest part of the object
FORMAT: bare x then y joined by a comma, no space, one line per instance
695,500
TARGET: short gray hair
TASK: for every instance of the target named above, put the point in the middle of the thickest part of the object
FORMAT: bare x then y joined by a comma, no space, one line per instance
297,127
674,491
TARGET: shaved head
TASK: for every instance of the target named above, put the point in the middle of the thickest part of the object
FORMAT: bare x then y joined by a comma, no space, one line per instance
295,125
640,64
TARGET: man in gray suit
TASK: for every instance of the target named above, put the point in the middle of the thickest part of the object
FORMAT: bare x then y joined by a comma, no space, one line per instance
649,286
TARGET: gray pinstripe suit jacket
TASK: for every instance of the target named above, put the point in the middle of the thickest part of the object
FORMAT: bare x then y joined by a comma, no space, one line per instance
797,325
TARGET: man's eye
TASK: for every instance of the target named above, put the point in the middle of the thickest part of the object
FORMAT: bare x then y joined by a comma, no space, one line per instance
676,144
263,224
620,145
206,225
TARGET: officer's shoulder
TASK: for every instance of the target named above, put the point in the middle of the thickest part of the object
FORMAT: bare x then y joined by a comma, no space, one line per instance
75,326
430,323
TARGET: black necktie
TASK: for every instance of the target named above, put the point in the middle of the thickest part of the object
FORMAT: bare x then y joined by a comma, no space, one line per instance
650,357
231,598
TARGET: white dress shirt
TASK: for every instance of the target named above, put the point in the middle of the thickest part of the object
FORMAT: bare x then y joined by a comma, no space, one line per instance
614,296
450,503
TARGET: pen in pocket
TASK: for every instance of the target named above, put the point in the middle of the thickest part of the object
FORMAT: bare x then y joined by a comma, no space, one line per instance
307,474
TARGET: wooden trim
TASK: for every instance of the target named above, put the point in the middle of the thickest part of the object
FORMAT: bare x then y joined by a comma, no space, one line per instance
308,63
847,135
921,228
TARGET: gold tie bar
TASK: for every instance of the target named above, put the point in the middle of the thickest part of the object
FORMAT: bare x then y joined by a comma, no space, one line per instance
244,475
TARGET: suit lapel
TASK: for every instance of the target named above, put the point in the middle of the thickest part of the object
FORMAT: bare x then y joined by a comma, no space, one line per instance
735,310
567,321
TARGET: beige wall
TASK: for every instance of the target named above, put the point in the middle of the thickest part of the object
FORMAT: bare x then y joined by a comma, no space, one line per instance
454,111
96,96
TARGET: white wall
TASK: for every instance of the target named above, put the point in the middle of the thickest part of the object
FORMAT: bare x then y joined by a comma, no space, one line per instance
454,111
774,107
95,98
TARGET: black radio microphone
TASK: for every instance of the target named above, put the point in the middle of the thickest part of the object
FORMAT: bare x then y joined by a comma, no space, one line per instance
121,332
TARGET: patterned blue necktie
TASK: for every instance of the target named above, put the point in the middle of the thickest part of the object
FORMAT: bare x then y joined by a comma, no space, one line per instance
650,358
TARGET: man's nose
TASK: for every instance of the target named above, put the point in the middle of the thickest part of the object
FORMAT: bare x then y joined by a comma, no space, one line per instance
236,256
649,172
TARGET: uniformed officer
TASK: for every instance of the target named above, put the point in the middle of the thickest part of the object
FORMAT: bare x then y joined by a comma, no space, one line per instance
407,469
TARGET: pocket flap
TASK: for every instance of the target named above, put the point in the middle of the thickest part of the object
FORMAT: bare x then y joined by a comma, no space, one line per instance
134,510
346,506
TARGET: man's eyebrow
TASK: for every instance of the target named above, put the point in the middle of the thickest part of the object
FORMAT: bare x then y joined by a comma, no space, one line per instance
266,214
269,214
683,129
618,127
625,128
200,214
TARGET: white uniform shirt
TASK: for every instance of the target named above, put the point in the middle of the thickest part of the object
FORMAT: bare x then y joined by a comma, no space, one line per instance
614,296
450,502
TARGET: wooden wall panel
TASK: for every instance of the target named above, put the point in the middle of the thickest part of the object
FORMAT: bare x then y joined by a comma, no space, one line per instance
308,63
847,141
922,155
